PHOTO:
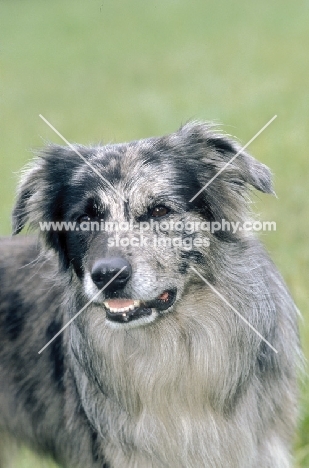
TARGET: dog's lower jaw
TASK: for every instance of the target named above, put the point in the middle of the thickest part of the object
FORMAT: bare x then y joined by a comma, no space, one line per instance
137,322
129,315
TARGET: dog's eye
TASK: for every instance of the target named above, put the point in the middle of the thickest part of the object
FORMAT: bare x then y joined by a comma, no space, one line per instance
83,218
159,211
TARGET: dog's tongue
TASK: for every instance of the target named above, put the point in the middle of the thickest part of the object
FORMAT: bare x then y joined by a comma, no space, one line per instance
119,303
164,296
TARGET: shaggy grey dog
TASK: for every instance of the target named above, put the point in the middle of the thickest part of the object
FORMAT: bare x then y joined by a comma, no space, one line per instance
186,357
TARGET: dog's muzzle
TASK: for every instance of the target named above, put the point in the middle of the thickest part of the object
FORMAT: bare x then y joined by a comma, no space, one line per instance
124,310
127,310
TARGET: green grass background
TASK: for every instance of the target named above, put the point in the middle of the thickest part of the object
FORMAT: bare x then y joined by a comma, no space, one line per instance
114,70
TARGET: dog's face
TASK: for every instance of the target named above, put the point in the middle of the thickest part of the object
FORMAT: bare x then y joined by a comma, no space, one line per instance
135,215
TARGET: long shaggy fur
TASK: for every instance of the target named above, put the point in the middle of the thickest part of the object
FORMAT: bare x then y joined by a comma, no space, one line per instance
189,387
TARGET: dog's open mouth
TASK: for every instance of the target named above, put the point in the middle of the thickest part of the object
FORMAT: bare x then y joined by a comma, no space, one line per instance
126,310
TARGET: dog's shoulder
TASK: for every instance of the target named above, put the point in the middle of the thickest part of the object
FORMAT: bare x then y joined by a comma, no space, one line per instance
29,290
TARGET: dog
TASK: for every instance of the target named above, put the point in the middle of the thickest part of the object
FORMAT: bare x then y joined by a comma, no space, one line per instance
135,333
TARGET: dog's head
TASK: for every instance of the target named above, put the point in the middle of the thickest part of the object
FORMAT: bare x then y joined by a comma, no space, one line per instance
141,215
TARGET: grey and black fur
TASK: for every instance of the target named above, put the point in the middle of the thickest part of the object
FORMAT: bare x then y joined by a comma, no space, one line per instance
182,384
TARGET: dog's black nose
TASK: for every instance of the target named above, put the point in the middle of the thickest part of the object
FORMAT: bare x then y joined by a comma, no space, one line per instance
104,270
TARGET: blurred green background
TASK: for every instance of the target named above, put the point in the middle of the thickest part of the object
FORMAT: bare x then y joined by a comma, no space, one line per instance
111,70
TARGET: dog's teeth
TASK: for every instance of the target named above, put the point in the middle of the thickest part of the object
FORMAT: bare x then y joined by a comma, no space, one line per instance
122,309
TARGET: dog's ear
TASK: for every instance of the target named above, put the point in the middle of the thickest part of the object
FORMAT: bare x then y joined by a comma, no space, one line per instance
29,195
41,193
249,170
226,158
224,173
42,185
